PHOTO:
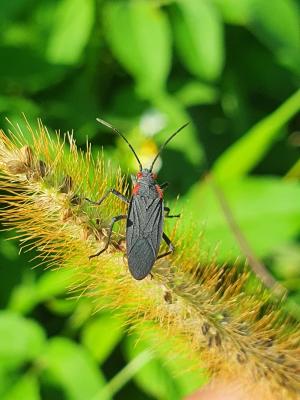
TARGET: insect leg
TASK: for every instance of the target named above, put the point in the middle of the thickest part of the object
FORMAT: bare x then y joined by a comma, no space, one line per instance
164,185
113,191
167,210
170,244
113,220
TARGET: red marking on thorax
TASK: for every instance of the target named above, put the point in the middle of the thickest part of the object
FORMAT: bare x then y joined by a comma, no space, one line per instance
159,191
136,189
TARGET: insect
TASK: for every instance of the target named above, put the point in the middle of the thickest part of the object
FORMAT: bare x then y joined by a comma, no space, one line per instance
145,217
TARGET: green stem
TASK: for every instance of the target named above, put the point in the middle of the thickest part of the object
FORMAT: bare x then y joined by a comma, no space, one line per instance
245,153
119,380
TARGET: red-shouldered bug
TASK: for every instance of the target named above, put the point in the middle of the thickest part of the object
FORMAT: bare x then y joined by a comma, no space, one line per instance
145,217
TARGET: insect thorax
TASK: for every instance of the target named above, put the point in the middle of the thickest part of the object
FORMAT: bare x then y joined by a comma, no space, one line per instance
147,185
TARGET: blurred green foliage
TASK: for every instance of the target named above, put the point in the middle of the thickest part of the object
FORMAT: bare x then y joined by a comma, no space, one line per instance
232,68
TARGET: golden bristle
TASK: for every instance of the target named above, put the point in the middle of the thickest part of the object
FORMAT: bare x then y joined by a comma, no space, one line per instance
206,311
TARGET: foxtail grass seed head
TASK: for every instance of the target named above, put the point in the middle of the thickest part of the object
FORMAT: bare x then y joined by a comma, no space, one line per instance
204,311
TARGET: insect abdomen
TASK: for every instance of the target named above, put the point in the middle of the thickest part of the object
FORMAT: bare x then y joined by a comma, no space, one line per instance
141,259
143,234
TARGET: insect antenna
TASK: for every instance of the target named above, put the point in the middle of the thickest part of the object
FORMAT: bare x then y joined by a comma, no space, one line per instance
166,142
101,121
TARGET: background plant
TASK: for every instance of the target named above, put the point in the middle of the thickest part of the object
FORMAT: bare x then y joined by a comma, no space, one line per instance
147,67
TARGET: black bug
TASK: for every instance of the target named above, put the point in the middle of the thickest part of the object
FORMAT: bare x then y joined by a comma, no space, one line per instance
145,217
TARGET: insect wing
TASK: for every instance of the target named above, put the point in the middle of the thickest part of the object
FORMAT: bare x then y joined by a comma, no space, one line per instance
144,234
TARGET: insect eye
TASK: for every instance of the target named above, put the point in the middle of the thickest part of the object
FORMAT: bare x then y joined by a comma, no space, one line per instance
154,176
139,175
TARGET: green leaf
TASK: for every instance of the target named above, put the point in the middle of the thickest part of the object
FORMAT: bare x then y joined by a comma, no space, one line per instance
172,376
6,379
139,37
154,378
70,366
267,211
22,298
189,380
53,283
278,28
199,37
9,10
21,339
27,387
8,248
101,335
13,107
29,293
234,12
26,70
71,31
177,115
62,307
246,152
195,93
